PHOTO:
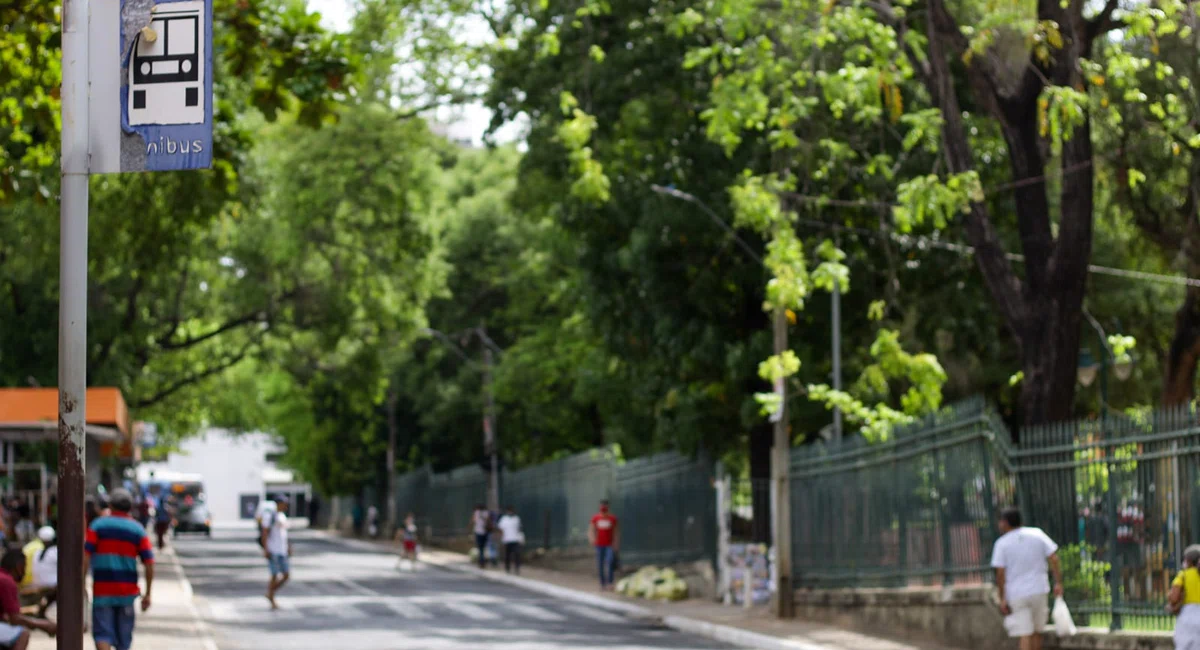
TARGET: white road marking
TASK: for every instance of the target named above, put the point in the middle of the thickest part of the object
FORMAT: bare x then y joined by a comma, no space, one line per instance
472,611
346,613
530,610
357,588
225,612
406,609
594,614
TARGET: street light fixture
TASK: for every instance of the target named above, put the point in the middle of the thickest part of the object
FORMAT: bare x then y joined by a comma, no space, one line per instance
489,418
1124,367
1087,372
1088,368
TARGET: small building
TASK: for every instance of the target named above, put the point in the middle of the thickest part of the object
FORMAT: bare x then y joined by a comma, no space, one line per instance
240,471
29,419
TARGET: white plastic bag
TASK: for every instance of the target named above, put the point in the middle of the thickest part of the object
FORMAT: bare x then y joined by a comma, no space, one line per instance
1063,625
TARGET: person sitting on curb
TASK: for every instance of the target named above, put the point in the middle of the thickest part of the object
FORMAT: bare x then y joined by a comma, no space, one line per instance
15,628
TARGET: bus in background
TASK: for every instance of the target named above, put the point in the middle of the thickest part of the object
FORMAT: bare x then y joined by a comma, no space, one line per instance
186,496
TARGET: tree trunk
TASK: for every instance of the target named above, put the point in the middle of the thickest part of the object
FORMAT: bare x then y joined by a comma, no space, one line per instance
1179,383
1049,359
1042,310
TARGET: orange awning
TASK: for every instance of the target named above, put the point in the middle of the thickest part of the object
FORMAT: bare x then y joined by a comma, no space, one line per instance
105,406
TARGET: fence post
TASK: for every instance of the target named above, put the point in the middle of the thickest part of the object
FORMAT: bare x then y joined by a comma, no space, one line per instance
903,493
988,495
1114,558
943,520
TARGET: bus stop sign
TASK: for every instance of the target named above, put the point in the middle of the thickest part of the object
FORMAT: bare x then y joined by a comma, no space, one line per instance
151,85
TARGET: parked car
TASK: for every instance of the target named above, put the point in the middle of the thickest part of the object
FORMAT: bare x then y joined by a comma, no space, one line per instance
194,519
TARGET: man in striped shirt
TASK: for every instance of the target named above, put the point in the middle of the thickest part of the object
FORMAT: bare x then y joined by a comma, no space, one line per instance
114,544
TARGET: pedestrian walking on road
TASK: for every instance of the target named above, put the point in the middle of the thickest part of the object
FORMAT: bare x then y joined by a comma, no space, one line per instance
15,627
1184,601
481,526
276,548
163,512
605,534
1022,558
408,542
114,544
373,522
512,537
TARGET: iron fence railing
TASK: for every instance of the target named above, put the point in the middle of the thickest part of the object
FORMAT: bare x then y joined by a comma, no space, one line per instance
918,509
1120,495
665,503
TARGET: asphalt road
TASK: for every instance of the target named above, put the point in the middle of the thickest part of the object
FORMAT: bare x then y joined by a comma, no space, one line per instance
349,599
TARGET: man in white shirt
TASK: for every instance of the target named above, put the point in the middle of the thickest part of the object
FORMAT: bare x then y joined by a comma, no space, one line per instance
1022,558
276,547
510,533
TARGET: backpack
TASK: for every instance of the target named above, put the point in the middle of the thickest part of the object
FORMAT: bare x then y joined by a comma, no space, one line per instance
265,523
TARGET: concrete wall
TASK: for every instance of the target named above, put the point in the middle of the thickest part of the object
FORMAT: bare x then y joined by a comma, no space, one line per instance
960,617
231,466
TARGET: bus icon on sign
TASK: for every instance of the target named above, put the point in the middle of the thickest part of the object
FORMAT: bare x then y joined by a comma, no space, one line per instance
166,71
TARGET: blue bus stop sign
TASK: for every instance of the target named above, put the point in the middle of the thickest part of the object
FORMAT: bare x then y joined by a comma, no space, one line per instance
151,69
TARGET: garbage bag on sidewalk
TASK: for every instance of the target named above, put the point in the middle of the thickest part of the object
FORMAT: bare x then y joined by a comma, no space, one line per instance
1063,625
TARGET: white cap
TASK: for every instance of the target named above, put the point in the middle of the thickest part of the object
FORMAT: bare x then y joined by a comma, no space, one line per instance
46,534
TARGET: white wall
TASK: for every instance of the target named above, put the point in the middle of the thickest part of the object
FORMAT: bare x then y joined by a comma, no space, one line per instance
231,466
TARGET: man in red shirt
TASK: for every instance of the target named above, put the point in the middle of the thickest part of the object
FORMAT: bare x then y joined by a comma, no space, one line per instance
605,535
14,630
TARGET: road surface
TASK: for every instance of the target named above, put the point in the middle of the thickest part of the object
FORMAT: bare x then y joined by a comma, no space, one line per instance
348,598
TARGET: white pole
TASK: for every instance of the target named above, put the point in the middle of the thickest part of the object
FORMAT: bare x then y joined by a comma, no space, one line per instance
72,322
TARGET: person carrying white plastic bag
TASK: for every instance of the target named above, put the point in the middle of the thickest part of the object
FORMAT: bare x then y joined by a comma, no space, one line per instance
1022,557
1184,601
1063,625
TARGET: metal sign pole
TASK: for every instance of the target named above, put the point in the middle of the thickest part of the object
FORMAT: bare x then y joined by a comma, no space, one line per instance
72,323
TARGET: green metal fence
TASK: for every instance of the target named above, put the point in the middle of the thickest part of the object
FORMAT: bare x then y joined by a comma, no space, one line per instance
919,508
557,499
665,503
1120,495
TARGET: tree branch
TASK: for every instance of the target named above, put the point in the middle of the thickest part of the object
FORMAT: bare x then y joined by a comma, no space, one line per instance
127,321
998,274
452,100
177,310
1103,22
245,319
193,378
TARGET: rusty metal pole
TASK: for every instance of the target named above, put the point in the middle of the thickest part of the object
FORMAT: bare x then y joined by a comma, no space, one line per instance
72,323
489,433
392,517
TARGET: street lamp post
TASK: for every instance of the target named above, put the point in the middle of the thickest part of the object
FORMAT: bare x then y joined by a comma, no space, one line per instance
490,444
781,533
1087,373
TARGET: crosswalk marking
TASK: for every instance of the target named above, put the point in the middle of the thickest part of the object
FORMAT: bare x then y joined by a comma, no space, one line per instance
286,612
472,611
533,611
406,609
352,609
347,613
225,612
354,587
594,614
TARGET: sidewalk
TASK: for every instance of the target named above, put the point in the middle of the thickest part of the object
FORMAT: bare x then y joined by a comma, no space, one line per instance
754,628
172,622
